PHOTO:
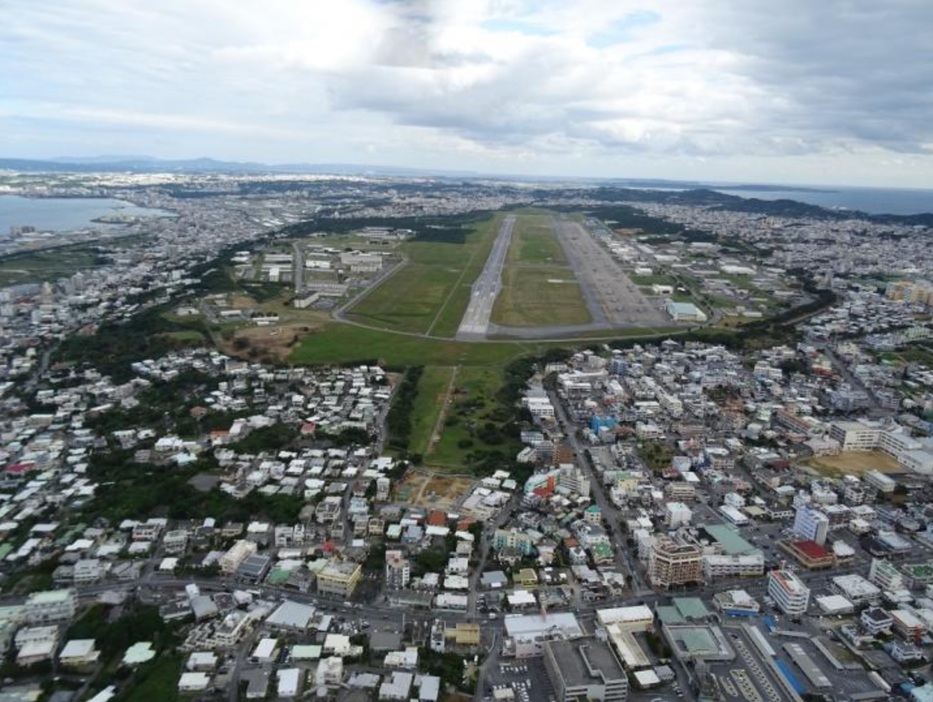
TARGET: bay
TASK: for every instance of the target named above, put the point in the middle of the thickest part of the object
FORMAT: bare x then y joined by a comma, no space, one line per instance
64,214
897,201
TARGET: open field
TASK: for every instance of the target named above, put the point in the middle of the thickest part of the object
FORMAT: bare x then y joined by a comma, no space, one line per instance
47,265
473,420
345,343
432,490
855,463
433,289
429,404
534,243
539,288
539,297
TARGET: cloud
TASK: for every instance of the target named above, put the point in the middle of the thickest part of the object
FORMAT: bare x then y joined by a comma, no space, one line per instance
592,81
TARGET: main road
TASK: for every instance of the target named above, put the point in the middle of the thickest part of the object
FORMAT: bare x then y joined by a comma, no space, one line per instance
476,318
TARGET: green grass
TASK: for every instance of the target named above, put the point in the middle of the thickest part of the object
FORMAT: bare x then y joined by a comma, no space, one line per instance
534,242
433,289
530,298
345,343
428,405
186,335
47,265
473,406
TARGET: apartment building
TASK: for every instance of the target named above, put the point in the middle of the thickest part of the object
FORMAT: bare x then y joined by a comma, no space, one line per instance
788,592
398,570
50,606
886,575
671,563
810,524
339,579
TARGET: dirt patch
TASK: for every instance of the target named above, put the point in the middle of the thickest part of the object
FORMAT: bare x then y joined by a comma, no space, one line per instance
426,489
276,341
855,463
627,232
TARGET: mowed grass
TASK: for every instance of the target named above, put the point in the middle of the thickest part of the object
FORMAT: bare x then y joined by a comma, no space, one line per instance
534,242
429,403
347,343
539,297
431,293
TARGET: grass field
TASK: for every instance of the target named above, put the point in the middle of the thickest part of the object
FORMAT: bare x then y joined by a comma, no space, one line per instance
534,243
539,297
854,463
48,265
430,294
538,287
429,403
473,407
345,343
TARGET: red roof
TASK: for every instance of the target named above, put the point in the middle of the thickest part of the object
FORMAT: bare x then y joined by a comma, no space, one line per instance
811,549
437,518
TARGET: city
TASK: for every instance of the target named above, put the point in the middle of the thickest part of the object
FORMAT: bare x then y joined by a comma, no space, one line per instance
726,502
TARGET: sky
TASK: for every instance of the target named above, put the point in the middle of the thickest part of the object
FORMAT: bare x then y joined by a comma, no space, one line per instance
799,92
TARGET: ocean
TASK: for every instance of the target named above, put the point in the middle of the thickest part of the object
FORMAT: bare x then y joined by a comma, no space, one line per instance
870,200
63,214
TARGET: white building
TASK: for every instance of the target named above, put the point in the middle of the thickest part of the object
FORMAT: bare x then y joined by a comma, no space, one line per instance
810,524
677,514
50,606
885,575
855,588
788,592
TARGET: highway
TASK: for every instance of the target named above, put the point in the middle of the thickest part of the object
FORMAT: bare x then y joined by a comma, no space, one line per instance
475,321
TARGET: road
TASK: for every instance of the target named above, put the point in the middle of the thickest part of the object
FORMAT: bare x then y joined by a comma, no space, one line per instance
609,511
475,321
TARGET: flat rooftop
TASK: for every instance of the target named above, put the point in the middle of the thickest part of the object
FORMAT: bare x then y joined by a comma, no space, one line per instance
587,663
730,540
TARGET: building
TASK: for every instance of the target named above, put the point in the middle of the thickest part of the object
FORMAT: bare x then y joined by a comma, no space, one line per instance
236,555
810,524
875,621
685,312
856,589
587,671
339,579
50,606
788,592
398,570
855,436
525,634
677,514
880,481
672,563
885,575
736,603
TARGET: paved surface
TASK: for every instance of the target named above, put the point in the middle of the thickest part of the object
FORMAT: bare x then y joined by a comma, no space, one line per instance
476,318
613,300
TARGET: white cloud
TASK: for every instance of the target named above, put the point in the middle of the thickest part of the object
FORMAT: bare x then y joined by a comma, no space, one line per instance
597,87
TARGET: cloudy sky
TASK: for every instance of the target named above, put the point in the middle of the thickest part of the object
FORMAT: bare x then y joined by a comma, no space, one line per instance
801,91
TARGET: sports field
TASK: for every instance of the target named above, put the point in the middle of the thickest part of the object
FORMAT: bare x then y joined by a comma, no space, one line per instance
855,463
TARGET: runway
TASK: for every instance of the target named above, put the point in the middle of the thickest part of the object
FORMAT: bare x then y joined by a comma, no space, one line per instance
475,323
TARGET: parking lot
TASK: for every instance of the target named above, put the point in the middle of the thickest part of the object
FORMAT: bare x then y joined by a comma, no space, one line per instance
527,679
